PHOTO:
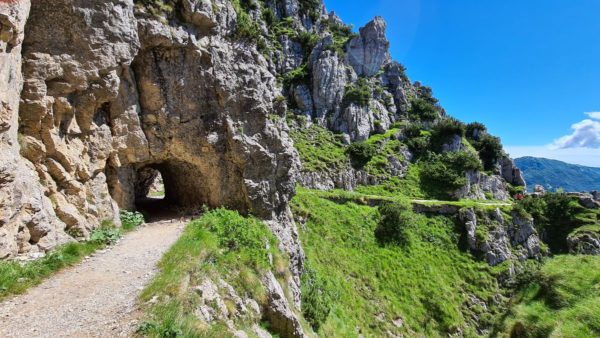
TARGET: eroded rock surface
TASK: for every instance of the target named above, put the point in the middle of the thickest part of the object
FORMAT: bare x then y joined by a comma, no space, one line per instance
498,238
110,91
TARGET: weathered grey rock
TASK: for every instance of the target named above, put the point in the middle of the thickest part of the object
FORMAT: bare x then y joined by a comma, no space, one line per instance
369,52
361,122
291,56
346,179
329,81
281,317
497,240
28,222
587,200
509,171
479,184
455,144
584,243
523,233
491,240
302,96
399,86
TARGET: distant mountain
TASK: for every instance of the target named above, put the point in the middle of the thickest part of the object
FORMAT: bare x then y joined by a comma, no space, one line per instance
553,174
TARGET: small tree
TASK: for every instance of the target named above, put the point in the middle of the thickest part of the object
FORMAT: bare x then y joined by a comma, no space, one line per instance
444,130
361,153
423,110
393,224
475,131
490,151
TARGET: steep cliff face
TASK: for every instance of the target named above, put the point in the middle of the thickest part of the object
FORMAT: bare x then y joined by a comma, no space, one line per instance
27,218
111,92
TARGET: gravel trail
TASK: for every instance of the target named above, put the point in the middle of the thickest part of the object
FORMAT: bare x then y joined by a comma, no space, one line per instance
96,298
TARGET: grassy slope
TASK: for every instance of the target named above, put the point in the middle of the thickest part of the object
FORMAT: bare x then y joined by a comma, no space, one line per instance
428,285
221,244
563,300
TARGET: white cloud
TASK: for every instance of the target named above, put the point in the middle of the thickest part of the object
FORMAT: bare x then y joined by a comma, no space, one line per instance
586,134
579,155
594,115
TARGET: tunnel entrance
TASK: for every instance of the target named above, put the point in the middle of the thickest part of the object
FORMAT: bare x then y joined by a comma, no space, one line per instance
150,194
173,189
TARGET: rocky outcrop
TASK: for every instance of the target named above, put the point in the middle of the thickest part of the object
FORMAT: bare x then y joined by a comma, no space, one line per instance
584,242
346,179
281,318
369,52
28,221
587,200
497,238
481,186
329,80
212,308
509,171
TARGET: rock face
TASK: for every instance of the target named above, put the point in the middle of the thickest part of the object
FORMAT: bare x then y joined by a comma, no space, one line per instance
112,93
481,186
509,171
28,221
498,239
584,243
369,52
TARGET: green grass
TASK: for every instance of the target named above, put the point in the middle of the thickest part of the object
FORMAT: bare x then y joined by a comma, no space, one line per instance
427,284
319,149
563,300
221,244
17,277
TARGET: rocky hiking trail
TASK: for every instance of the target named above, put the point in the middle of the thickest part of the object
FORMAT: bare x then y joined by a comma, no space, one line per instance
96,298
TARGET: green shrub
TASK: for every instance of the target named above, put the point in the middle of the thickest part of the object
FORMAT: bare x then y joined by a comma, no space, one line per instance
105,235
269,17
297,76
490,151
246,28
318,297
442,174
425,93
556,215
443,132
361,153
131,219
475,130
422,110
159,8
358,93
393,224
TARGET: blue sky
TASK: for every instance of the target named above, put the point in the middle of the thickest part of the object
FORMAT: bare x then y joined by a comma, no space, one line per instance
529,70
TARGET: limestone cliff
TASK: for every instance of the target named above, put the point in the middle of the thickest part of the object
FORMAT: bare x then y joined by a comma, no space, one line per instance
110,90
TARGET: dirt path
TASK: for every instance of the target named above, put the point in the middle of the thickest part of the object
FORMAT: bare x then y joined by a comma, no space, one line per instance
97,298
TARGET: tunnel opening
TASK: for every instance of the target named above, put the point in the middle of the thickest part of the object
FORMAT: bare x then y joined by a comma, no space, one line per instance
150,194
175,188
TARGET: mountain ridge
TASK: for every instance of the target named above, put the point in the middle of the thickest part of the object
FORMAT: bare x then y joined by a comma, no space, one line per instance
554,174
